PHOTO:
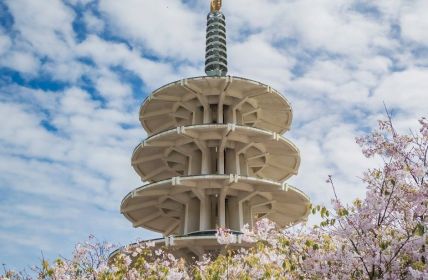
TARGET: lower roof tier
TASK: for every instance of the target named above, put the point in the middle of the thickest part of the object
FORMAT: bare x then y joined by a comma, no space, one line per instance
204,100
192,247
182,205
216,149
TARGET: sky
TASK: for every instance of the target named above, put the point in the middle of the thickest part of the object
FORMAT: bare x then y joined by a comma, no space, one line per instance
73,74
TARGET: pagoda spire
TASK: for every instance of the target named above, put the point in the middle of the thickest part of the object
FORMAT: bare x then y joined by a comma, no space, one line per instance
216,50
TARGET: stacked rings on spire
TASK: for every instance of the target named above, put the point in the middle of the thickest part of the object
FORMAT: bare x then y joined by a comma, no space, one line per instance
216,50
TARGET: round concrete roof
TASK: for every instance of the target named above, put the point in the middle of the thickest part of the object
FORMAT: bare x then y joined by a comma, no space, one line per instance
249,103
160,206
266,154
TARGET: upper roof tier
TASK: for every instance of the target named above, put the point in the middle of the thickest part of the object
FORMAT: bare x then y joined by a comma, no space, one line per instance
207,100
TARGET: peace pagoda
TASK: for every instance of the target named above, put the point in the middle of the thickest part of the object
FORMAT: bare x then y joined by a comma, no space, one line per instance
214,157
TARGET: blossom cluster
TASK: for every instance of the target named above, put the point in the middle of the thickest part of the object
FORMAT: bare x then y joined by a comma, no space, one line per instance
380,236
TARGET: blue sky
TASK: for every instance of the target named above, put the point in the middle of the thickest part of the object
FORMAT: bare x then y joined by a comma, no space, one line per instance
73,74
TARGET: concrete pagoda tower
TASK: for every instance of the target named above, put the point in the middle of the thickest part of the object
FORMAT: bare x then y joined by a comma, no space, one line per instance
214,156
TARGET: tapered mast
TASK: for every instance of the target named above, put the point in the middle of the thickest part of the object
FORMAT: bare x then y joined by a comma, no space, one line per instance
216,47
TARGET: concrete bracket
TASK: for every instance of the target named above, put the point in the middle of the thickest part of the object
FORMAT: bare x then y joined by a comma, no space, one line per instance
284,186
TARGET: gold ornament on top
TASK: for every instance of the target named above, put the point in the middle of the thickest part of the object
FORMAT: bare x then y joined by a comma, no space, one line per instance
215,5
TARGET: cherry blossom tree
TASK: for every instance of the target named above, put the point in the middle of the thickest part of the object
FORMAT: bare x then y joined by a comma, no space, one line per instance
381,236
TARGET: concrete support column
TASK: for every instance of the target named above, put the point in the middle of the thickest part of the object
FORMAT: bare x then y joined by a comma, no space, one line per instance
233,213
205,168
220,113
193,215
220,162
207,114
186,219
222,209
205,158
220,157
204,213
231,161
241,215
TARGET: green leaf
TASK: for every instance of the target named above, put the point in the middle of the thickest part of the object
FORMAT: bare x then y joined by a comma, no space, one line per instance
342,212
420,229
384,245
323,212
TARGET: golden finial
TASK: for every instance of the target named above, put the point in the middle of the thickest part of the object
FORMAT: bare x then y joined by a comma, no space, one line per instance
215,5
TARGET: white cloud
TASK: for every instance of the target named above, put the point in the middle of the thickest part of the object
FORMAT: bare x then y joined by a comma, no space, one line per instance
333,26
108,54
5,43
256,58
167,28
67,71
114,90
24,132
406,91
78,102
102,52
21,61
77,2
45,25
413,21
93,23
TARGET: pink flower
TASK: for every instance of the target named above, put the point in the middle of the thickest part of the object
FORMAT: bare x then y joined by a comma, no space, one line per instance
225,236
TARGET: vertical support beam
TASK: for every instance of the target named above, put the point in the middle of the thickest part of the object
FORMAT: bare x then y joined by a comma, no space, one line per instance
186,219
241,215
204,162
235,108
220,113
237,164
221,149
230,162
234,120
194,115
233,213
222,208
204,214
207,114
238,160
220,157
193,215
220,163
205,168
220,108
201,97
205,159
189,165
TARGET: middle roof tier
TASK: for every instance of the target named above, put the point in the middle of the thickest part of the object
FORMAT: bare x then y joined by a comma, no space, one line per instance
216,149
